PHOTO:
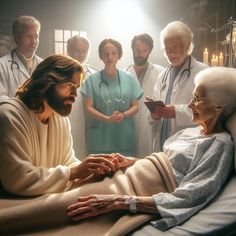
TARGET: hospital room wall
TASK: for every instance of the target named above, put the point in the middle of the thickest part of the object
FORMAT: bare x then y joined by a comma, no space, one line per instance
87,15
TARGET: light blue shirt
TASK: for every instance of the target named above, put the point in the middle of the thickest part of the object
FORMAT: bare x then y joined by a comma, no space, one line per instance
166,125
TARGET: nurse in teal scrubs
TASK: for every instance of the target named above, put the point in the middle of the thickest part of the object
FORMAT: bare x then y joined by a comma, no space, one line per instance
111,100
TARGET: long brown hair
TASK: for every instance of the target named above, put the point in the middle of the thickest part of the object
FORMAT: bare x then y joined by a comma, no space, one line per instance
53,70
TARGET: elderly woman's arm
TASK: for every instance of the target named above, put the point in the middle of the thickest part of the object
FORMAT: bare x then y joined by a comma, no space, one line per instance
94,205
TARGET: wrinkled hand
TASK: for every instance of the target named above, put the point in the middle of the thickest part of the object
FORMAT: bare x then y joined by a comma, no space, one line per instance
94,205
167,111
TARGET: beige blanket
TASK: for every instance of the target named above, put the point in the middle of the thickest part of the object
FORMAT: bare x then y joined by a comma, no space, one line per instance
146,177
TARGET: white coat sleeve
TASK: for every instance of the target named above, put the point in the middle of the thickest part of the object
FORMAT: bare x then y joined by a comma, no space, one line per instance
156,96
3,84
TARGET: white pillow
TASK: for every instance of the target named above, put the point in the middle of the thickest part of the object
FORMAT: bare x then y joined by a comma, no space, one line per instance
231,127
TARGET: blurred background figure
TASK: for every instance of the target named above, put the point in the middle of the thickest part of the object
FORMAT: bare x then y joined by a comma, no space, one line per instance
18,66
175,84
146,74
78,47
111,99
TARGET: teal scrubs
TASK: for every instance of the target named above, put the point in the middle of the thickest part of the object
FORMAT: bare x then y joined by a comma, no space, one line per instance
111,95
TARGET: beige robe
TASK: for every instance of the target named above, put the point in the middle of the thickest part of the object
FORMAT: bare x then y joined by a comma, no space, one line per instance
35,157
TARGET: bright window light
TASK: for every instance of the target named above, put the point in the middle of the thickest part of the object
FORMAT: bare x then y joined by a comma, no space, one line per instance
61,37
123,17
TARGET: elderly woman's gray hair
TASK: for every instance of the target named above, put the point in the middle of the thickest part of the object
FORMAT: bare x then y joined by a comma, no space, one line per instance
178,29
22,22
219,85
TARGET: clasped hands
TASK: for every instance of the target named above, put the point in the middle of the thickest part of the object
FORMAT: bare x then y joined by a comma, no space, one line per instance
116,117
99,165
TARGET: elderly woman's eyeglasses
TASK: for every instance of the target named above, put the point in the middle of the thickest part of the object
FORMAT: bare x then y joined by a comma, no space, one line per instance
197,99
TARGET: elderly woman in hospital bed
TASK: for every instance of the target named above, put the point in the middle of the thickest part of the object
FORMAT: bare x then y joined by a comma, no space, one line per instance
201,159
164,188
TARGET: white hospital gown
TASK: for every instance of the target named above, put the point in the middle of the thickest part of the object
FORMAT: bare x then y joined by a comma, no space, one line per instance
201,165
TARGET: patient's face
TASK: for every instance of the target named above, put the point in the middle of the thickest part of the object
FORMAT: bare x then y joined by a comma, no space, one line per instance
204,111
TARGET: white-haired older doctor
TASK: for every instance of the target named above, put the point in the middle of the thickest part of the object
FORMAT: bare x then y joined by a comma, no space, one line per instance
175,84
18,66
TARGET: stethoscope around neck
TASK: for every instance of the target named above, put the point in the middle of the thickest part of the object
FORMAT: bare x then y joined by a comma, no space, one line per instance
104,84
168,71
14,65
13,61
87,71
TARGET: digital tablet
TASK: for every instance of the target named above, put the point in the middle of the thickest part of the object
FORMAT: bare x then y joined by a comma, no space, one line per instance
151,105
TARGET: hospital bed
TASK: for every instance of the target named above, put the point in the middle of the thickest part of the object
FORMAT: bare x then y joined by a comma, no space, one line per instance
217,218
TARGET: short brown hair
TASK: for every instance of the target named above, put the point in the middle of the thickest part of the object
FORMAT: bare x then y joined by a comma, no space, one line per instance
112,41
145,38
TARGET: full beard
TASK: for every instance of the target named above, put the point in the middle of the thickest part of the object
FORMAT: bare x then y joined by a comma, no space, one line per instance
140,61
57,103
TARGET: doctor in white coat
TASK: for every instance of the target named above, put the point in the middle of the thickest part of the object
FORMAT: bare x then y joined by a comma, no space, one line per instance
18,66
174,85
78,47
146,73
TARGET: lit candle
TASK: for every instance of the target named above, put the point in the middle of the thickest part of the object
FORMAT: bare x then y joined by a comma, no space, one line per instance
216,61
221,59
213,60
205,56
234,45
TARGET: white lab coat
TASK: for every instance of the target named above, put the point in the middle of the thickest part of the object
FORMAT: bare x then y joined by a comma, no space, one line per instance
144,137
12,76
78,121
180,97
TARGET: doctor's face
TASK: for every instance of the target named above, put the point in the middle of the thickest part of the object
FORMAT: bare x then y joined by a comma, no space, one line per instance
28,41
80,51
176,51
141,52
110,55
